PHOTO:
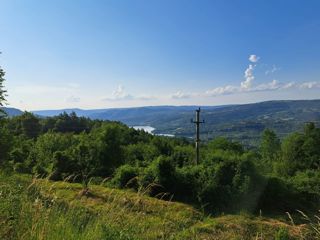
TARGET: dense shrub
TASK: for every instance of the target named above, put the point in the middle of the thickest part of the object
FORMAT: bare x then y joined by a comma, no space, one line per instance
188,183
126,176
160,177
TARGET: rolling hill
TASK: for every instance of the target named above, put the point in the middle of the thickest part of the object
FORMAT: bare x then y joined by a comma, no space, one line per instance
240,122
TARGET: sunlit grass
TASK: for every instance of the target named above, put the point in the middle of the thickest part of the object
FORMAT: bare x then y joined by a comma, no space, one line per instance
41,209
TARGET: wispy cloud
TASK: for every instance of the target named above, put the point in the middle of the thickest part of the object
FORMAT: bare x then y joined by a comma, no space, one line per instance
272,70
273,85
310,85
222,90
181,95
121,95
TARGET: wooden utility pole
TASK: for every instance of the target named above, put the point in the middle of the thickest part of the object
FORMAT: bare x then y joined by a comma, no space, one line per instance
197,140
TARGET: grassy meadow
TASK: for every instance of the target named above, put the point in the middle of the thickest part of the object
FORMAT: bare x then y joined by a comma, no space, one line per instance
32,208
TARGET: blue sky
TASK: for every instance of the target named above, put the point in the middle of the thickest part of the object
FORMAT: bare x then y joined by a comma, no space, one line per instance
101,54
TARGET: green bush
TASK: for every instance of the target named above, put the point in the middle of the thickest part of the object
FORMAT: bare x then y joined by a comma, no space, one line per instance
160,177
281,196
126,177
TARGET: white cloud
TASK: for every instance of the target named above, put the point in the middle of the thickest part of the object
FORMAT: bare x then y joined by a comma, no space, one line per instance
249,77
273,85
248,73
119,92
181,95
253,58
310,85
121,95
222,90
288,85
272,70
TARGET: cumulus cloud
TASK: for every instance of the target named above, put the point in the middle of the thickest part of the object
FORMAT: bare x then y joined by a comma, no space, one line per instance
249,77
248,73
253,58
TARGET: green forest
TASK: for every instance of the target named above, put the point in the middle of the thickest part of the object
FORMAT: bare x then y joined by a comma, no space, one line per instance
276,177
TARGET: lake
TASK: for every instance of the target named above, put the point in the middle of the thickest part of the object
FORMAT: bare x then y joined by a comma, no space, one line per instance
150,129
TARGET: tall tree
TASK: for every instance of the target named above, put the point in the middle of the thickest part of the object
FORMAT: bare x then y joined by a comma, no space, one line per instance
2,90
5,136
270,145
30,125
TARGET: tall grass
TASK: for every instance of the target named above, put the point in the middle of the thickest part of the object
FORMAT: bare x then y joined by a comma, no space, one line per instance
313,224
37,209
26,214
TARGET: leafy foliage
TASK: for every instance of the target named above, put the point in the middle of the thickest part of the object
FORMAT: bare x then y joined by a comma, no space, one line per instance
277,176
2,91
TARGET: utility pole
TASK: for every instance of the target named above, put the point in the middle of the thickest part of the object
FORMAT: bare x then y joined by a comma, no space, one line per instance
197,140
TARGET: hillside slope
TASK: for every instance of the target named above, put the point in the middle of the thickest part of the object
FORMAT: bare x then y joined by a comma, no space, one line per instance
244,123
40,209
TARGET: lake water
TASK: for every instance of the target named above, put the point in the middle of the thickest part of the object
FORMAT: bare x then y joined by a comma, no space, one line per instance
150,129
147,129
165,134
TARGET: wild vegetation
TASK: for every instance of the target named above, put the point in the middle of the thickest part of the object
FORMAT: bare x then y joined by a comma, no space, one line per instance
32,208
278,176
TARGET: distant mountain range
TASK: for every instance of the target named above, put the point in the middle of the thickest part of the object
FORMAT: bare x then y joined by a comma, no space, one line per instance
241,122
130,116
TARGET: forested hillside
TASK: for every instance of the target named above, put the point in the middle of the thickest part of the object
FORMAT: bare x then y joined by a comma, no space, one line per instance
244,123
